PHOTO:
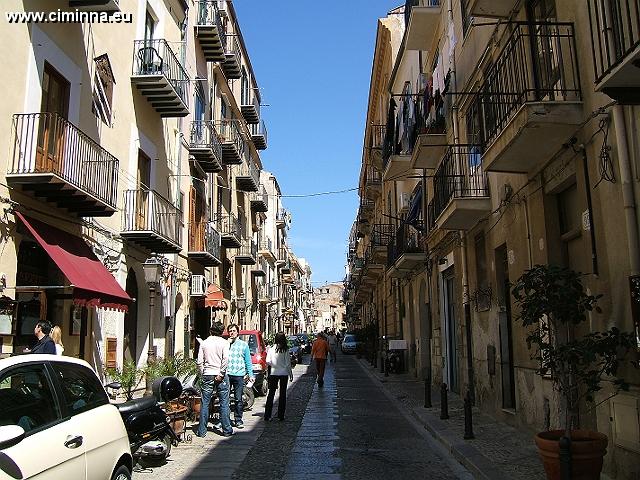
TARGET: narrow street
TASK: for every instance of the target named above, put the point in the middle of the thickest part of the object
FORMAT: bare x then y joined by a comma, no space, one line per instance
352,429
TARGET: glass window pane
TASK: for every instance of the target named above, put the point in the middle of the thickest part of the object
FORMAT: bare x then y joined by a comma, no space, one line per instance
81,389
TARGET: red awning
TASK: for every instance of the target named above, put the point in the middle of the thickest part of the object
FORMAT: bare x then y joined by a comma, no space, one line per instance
215,298
93,285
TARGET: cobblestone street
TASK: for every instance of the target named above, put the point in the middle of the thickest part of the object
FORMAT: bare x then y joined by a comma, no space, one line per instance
348,429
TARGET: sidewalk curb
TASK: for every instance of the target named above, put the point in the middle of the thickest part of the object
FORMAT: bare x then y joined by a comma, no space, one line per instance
467,455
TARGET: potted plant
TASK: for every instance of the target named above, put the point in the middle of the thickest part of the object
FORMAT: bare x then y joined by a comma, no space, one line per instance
129,377
554,303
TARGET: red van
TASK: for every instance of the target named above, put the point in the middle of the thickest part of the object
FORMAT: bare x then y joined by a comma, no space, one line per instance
258,350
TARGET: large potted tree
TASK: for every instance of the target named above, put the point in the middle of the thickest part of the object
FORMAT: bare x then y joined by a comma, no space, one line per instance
554,306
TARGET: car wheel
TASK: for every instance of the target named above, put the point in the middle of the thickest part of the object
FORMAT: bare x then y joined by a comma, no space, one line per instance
121,473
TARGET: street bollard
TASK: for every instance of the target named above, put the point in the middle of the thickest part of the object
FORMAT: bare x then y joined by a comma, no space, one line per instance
468,418
386,367
444,403
565,458
427,392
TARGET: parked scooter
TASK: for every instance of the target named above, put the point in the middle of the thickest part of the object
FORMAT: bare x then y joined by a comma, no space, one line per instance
150,434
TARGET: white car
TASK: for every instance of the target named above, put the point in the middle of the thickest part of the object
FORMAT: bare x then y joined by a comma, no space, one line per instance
349,344
56,422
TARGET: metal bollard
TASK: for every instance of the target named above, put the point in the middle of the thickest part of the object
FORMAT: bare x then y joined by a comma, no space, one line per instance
444,403
565,458
427,392
468,417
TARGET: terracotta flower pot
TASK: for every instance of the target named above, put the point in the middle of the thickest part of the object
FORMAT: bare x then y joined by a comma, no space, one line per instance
587,451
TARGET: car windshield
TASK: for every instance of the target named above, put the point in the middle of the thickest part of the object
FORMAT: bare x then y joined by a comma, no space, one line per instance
251,341
350,338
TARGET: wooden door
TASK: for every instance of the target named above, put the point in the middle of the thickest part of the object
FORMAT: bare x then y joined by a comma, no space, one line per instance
51,129
142,200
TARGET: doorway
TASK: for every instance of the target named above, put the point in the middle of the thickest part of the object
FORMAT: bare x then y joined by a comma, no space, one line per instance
505,327
131,320
451,337
51,129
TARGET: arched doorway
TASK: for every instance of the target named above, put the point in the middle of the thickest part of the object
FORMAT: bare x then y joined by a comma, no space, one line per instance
131,320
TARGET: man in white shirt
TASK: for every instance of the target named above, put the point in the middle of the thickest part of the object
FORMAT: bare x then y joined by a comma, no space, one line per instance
212,360
332,340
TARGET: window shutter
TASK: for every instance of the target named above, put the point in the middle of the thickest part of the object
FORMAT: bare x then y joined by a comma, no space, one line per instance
112,349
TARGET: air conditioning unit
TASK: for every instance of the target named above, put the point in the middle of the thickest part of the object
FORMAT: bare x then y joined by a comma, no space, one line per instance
405,198
198,287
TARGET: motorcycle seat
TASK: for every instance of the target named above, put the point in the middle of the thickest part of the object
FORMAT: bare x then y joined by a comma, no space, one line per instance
136,405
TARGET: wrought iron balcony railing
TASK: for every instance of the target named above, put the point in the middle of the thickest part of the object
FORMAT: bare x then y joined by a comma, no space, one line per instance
48,143
377,134
203,237
406,240
208,13
615,33
148,212
381,235
459,175
155,57
538,63
228,224
259,135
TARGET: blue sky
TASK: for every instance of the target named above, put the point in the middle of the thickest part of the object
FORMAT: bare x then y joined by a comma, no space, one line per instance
313,61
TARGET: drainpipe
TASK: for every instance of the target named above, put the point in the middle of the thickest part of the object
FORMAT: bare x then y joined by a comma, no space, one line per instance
467,316
627,189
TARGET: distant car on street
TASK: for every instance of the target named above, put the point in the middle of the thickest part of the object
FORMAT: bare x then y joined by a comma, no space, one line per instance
295,348
349,343
258,350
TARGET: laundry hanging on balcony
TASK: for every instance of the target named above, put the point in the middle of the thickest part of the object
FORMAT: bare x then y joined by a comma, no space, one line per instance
415,208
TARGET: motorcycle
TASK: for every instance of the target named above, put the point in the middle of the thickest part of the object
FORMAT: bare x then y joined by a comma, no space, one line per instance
150,434
191,389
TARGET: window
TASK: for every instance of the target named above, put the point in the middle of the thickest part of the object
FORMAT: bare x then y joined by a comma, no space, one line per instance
80,388
27,398
103,89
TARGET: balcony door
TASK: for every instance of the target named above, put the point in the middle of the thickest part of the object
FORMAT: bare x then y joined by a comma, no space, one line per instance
197,221
545,49
54,108
142,200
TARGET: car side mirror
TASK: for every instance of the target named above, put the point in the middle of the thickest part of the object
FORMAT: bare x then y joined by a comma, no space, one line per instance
10,435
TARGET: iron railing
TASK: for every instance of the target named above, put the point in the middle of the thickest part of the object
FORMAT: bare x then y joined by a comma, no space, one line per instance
249,99
155,57
374,177
261,264
259,130
431,216
406,240
538,63
47,143
248,248
283,255
229,132
249,169
366,203
203,237
208,14
266,245
381,235
409,4
460,175
204,135
232,47
377,134
282,215
268,292
228,224
615,32
260,196
148,211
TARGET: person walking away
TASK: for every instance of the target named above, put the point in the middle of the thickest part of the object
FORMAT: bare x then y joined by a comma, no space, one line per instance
239,369
56,336
280,362
45,343
213,357
332,340
319,351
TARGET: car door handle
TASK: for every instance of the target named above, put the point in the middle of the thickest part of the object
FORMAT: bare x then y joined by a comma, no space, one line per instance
73,441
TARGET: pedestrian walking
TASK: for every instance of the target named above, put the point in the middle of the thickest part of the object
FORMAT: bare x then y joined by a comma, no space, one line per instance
280,362
56,336
319,351
45,343
332,340
239,370
213,358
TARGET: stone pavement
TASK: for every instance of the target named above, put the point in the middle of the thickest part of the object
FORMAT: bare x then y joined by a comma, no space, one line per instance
498,451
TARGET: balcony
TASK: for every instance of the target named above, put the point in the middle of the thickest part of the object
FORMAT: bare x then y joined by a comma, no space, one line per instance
428,150
259,135
492,8
260,268
250,107
260,200
366,207
423,19
283,218
247,175
232,64
460,189
209,30
381,237
373,182
230,231
268,293
204,244
530,102
406,253
374,266
95,5
160,77
283,257
233,145
55,160
615,36
151,221
205,146
377,134
266,250
247,253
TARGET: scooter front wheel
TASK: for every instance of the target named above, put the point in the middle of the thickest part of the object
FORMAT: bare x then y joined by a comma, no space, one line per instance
248,398
151,460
